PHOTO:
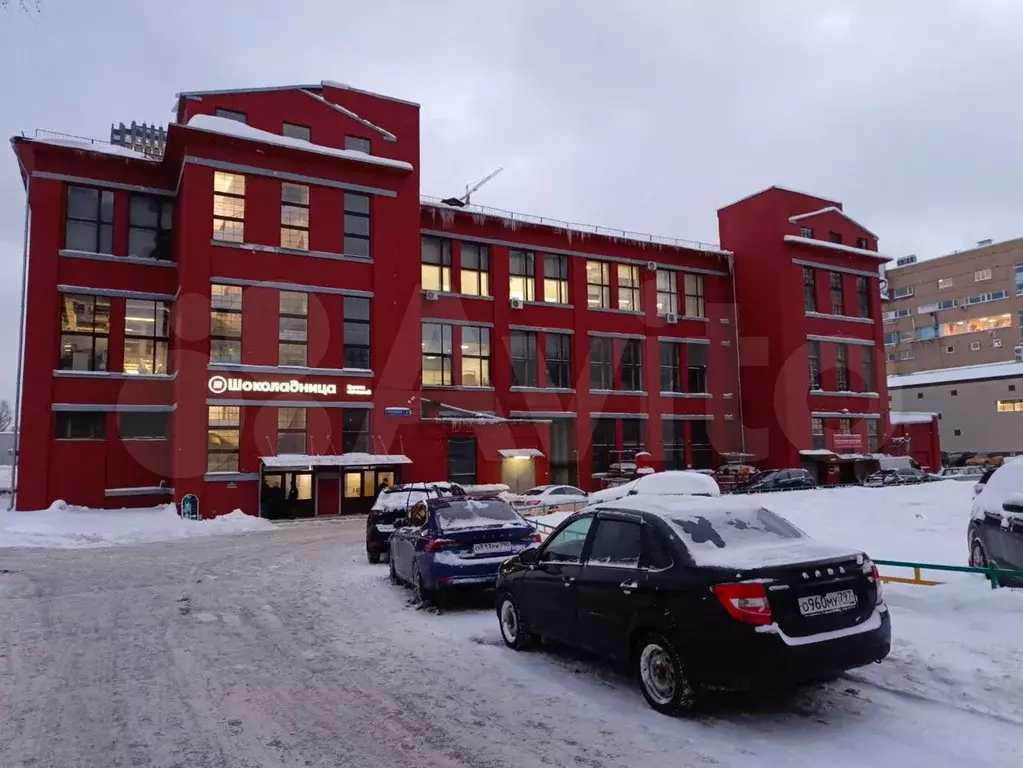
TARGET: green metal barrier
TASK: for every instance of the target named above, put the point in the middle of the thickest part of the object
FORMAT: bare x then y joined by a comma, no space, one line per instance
992,572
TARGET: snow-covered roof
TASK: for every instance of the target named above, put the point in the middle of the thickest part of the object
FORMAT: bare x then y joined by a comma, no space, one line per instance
345,111
831,209
817,452
912,417
88,145
227,127
339,460
962,373
815,243
520,453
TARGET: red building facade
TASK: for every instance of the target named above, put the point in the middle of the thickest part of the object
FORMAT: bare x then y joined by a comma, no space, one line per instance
270,315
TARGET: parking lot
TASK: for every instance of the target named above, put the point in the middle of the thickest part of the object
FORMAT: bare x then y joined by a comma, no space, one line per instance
286,649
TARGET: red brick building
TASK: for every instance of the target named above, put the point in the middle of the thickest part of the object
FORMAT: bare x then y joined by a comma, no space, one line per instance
270,315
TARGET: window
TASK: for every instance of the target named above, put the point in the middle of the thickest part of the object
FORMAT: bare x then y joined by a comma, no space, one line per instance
891,338
813,355
982,298
629,288
1018,271
146,331
957,433
223,438
1009,406
902,293
667,293
862,242
632,365
555,279
603,443
293,328
817,432
946,304
85,332
805,232
907,354
357,224
950,350
835,237
228,207
523,358
981,274
143,425
436,264
231,115
616,543
837,295
598,285
845,426
919,395
437,361
703,453
356,333
297,132
996,343
872,442
868,369
475,357
522,275
601,364
355,430
567,545
291,430
149,227
976,324
357,143
475,269
863,296
895,314
842,367
462,460
1012,387
225,324
809,289
559,360
671,363
694,296
295,216
975,346
89,225
633,436
945,282
696,362
80,425
673,433
891,357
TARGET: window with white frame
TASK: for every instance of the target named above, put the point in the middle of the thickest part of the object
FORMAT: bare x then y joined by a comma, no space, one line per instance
907,354
983,298
947,304
903,292
945,282
975,346
981,275
996,343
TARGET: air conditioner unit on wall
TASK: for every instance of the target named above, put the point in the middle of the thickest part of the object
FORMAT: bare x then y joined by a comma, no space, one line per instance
431,296
1019,354
516,303
671,318
652,266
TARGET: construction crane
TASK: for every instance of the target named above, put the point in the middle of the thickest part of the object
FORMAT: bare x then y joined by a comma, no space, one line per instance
461,202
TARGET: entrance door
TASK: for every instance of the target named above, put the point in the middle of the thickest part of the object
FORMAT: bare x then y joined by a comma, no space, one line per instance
328,494
286,495
518,473
359,490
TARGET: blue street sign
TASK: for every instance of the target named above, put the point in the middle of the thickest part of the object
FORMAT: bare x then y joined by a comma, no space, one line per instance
397,411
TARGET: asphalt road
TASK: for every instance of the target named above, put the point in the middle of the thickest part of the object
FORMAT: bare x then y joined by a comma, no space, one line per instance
287,649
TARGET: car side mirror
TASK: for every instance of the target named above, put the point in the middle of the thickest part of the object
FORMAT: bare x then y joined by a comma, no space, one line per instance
529,556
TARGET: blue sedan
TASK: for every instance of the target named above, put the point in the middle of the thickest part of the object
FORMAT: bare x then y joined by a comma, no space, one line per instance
450,542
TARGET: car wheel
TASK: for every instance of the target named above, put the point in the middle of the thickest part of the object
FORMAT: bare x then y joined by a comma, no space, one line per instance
662,676
978,557
373,557
514,630
420,594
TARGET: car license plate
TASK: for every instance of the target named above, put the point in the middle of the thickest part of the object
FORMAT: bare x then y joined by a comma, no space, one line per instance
492,548
831,602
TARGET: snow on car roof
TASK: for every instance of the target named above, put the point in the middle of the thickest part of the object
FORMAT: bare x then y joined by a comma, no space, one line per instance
678,482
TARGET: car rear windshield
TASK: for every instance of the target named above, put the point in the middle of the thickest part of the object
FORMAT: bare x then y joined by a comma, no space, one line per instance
733,529
534,491
467,515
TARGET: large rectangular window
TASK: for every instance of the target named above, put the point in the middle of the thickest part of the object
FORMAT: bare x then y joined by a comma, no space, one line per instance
671,363
295,216
462,460
80,425
89,225
143,425
356,333
558,348
437,359
436,264
810,289
358,144
1018,272
146,332
817,433
225,324
228,207
223,438
475,269
872,442
603,443
629,288
521,275
868,370
293,328
291,430
1009,406
601,363
673,433
293,131
633,436
357,225
85,332
555,279
598,285
694,296
475,357
696,364
863,296
523,358
842,367
703,452
976,324
667,293
813,357
837,295
355,430
632,365
149,227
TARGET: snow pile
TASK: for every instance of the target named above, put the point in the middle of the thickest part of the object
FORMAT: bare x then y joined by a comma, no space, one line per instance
67,527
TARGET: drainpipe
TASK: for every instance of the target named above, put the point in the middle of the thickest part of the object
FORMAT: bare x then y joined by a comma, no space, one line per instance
738,362
21,350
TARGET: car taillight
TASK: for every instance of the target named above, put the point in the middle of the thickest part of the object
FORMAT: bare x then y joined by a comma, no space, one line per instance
533,503
534,537
877,581
746,602
435,544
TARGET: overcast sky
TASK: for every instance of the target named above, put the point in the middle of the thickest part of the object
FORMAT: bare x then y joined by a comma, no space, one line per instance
641,115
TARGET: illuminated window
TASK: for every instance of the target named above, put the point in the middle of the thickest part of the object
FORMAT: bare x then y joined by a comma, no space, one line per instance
436,264
555,279
437,357
629,288
598,285
295,216
85,332
694,296
146,332
475,269
1009,406
475,357
225,324
981,275
976,324
223,438
945,282
521,275
667,292
228,207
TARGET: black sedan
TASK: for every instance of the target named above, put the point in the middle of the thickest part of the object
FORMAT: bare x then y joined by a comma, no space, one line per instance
696,594
778,480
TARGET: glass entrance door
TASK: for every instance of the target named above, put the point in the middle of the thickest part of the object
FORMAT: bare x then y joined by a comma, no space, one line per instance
286,495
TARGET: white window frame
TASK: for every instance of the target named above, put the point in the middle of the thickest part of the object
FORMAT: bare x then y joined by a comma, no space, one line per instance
981,275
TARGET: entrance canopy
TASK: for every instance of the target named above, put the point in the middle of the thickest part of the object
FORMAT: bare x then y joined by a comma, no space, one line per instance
306,461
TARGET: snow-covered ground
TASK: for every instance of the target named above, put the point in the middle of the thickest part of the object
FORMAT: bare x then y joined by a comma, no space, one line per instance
67,527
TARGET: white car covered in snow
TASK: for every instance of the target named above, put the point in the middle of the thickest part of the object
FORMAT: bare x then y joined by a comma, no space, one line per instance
547,499
670,483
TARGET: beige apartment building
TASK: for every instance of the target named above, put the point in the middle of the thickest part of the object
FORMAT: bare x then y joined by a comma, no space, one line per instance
958,310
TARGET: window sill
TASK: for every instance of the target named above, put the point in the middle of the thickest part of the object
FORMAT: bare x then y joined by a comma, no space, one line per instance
693,318
693,395
553,304
842,318
281,250
457,387
230,477
290,370
73,254
826,393
633,392
71,374
556,390
151,490
613,311
79,439
451,295
143,439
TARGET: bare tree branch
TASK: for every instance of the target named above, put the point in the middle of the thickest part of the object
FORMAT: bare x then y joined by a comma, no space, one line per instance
6,416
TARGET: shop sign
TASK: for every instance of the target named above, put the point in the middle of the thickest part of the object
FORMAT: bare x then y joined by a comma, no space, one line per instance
358,389
218,385
853,442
